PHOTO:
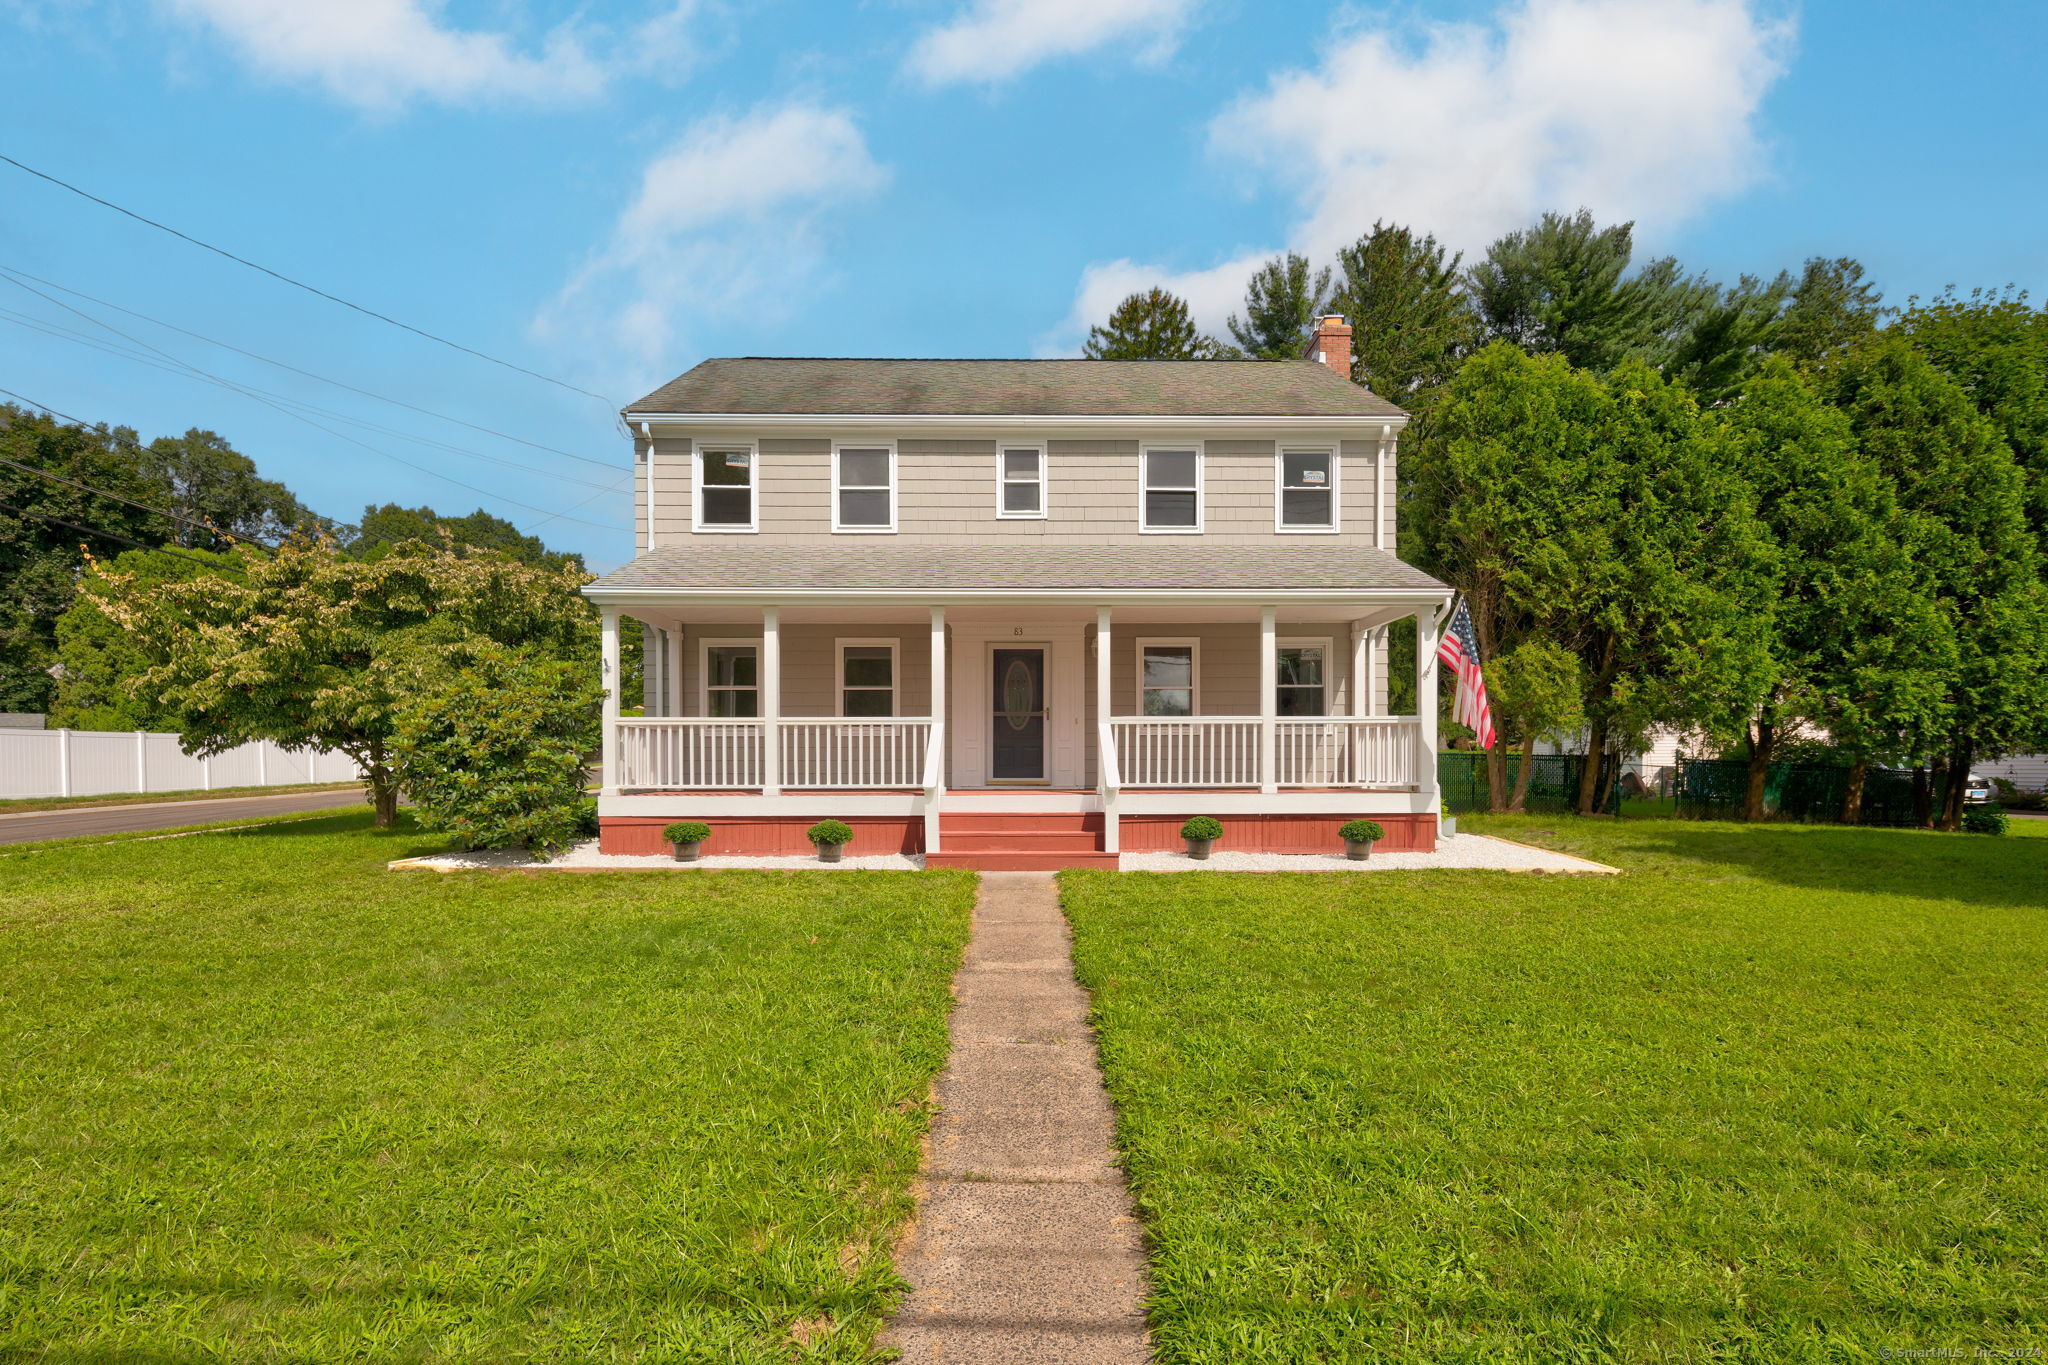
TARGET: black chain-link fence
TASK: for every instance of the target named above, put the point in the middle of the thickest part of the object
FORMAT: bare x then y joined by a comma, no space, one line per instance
1553,781
1812,793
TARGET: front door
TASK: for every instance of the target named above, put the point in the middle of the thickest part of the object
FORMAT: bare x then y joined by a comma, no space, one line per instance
1017,740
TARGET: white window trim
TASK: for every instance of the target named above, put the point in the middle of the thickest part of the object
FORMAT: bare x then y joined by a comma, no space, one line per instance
1138,671
1044,480
697,453
888,530
1328,645
1280,452
1200,448
895,689
704,647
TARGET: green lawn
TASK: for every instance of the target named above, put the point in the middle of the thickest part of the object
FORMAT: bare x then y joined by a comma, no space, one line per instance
261,1100
1778,1094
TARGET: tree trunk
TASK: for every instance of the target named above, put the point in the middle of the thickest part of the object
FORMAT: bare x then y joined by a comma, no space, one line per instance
383,787
1763,740
1923,813
1852,799
1958,761
1520,801
1589,776
1496,778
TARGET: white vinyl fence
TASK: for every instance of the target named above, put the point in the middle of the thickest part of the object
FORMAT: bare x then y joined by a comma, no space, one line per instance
35,763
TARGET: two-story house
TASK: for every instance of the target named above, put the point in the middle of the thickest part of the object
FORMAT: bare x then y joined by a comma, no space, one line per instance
1018,613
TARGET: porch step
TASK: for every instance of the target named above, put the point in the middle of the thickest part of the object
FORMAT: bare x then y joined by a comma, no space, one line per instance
1019,840
1004,860
1049,821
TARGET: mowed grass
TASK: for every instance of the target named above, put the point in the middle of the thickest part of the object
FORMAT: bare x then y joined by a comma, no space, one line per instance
262,1100
1778,1094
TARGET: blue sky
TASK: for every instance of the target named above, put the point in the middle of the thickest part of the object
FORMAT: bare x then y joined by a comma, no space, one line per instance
607,194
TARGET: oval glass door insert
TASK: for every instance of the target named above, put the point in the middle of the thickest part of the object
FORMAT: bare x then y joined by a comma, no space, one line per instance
1017,694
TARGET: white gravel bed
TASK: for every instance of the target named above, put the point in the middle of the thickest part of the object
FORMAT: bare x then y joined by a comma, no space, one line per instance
584,856
1454,851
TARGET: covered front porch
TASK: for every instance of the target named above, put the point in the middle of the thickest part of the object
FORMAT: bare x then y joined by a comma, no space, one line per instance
1011,730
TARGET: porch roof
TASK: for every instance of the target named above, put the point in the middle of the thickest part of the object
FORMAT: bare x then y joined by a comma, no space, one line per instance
726,567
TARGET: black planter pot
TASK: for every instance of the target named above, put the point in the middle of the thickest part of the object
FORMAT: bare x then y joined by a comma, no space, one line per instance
690,852
1358,850
829,853
1199,848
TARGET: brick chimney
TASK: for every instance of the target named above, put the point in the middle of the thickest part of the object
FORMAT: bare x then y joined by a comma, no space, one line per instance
1331,344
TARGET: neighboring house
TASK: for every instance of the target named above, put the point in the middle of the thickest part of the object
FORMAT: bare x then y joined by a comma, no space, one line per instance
1018,613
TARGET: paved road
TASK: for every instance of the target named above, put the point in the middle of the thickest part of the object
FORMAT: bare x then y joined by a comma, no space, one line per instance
67,824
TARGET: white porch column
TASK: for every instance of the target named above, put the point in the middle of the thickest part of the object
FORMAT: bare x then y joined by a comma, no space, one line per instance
937,710
609,674
1105,663
771,701
1427,624
1269,686
675,672
1361,670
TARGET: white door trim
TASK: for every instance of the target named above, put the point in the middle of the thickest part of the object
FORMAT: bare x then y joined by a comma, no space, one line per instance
972,715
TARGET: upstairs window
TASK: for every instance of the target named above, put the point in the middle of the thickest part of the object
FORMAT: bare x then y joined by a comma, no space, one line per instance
732,679
725,488
864,488
867,677
1020,481
1172,489
1168,677
1301,682
1308,490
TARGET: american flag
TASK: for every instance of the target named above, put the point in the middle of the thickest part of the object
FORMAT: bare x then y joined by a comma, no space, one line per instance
1460,649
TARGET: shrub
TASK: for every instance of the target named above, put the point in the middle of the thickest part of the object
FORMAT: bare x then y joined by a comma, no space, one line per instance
2011,794
1361,832
687,832
1202,827
1986,820
490,747
830,832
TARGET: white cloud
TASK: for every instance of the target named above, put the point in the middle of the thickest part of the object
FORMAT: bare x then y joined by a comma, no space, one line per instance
382,54
1635,109
994,40
728,223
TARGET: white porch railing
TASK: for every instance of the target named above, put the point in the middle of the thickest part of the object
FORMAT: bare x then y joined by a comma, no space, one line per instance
854,754
1224,751
1187,751
693,754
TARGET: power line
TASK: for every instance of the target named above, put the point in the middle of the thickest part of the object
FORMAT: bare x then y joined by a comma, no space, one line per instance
253,355
280,407
185,370
111,535
301,284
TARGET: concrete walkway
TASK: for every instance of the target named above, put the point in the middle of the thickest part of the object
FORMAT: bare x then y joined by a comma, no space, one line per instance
1025,1248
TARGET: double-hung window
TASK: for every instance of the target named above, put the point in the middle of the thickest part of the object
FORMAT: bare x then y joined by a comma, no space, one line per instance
1170,480
1301,682
864,488
1307,490
1020,481
867,677
1169,674
725,488
732,679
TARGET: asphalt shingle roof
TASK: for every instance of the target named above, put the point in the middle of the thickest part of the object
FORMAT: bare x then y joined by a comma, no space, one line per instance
1022,388
719,563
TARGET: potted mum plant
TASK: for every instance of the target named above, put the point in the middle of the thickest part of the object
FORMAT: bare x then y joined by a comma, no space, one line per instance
831,837
687,837
1359,836
1202,832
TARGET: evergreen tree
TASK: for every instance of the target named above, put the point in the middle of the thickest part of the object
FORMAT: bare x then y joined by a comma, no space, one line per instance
1728,336
1411,322
1833,308
1281,303
1153,325
1962,496
1563,286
